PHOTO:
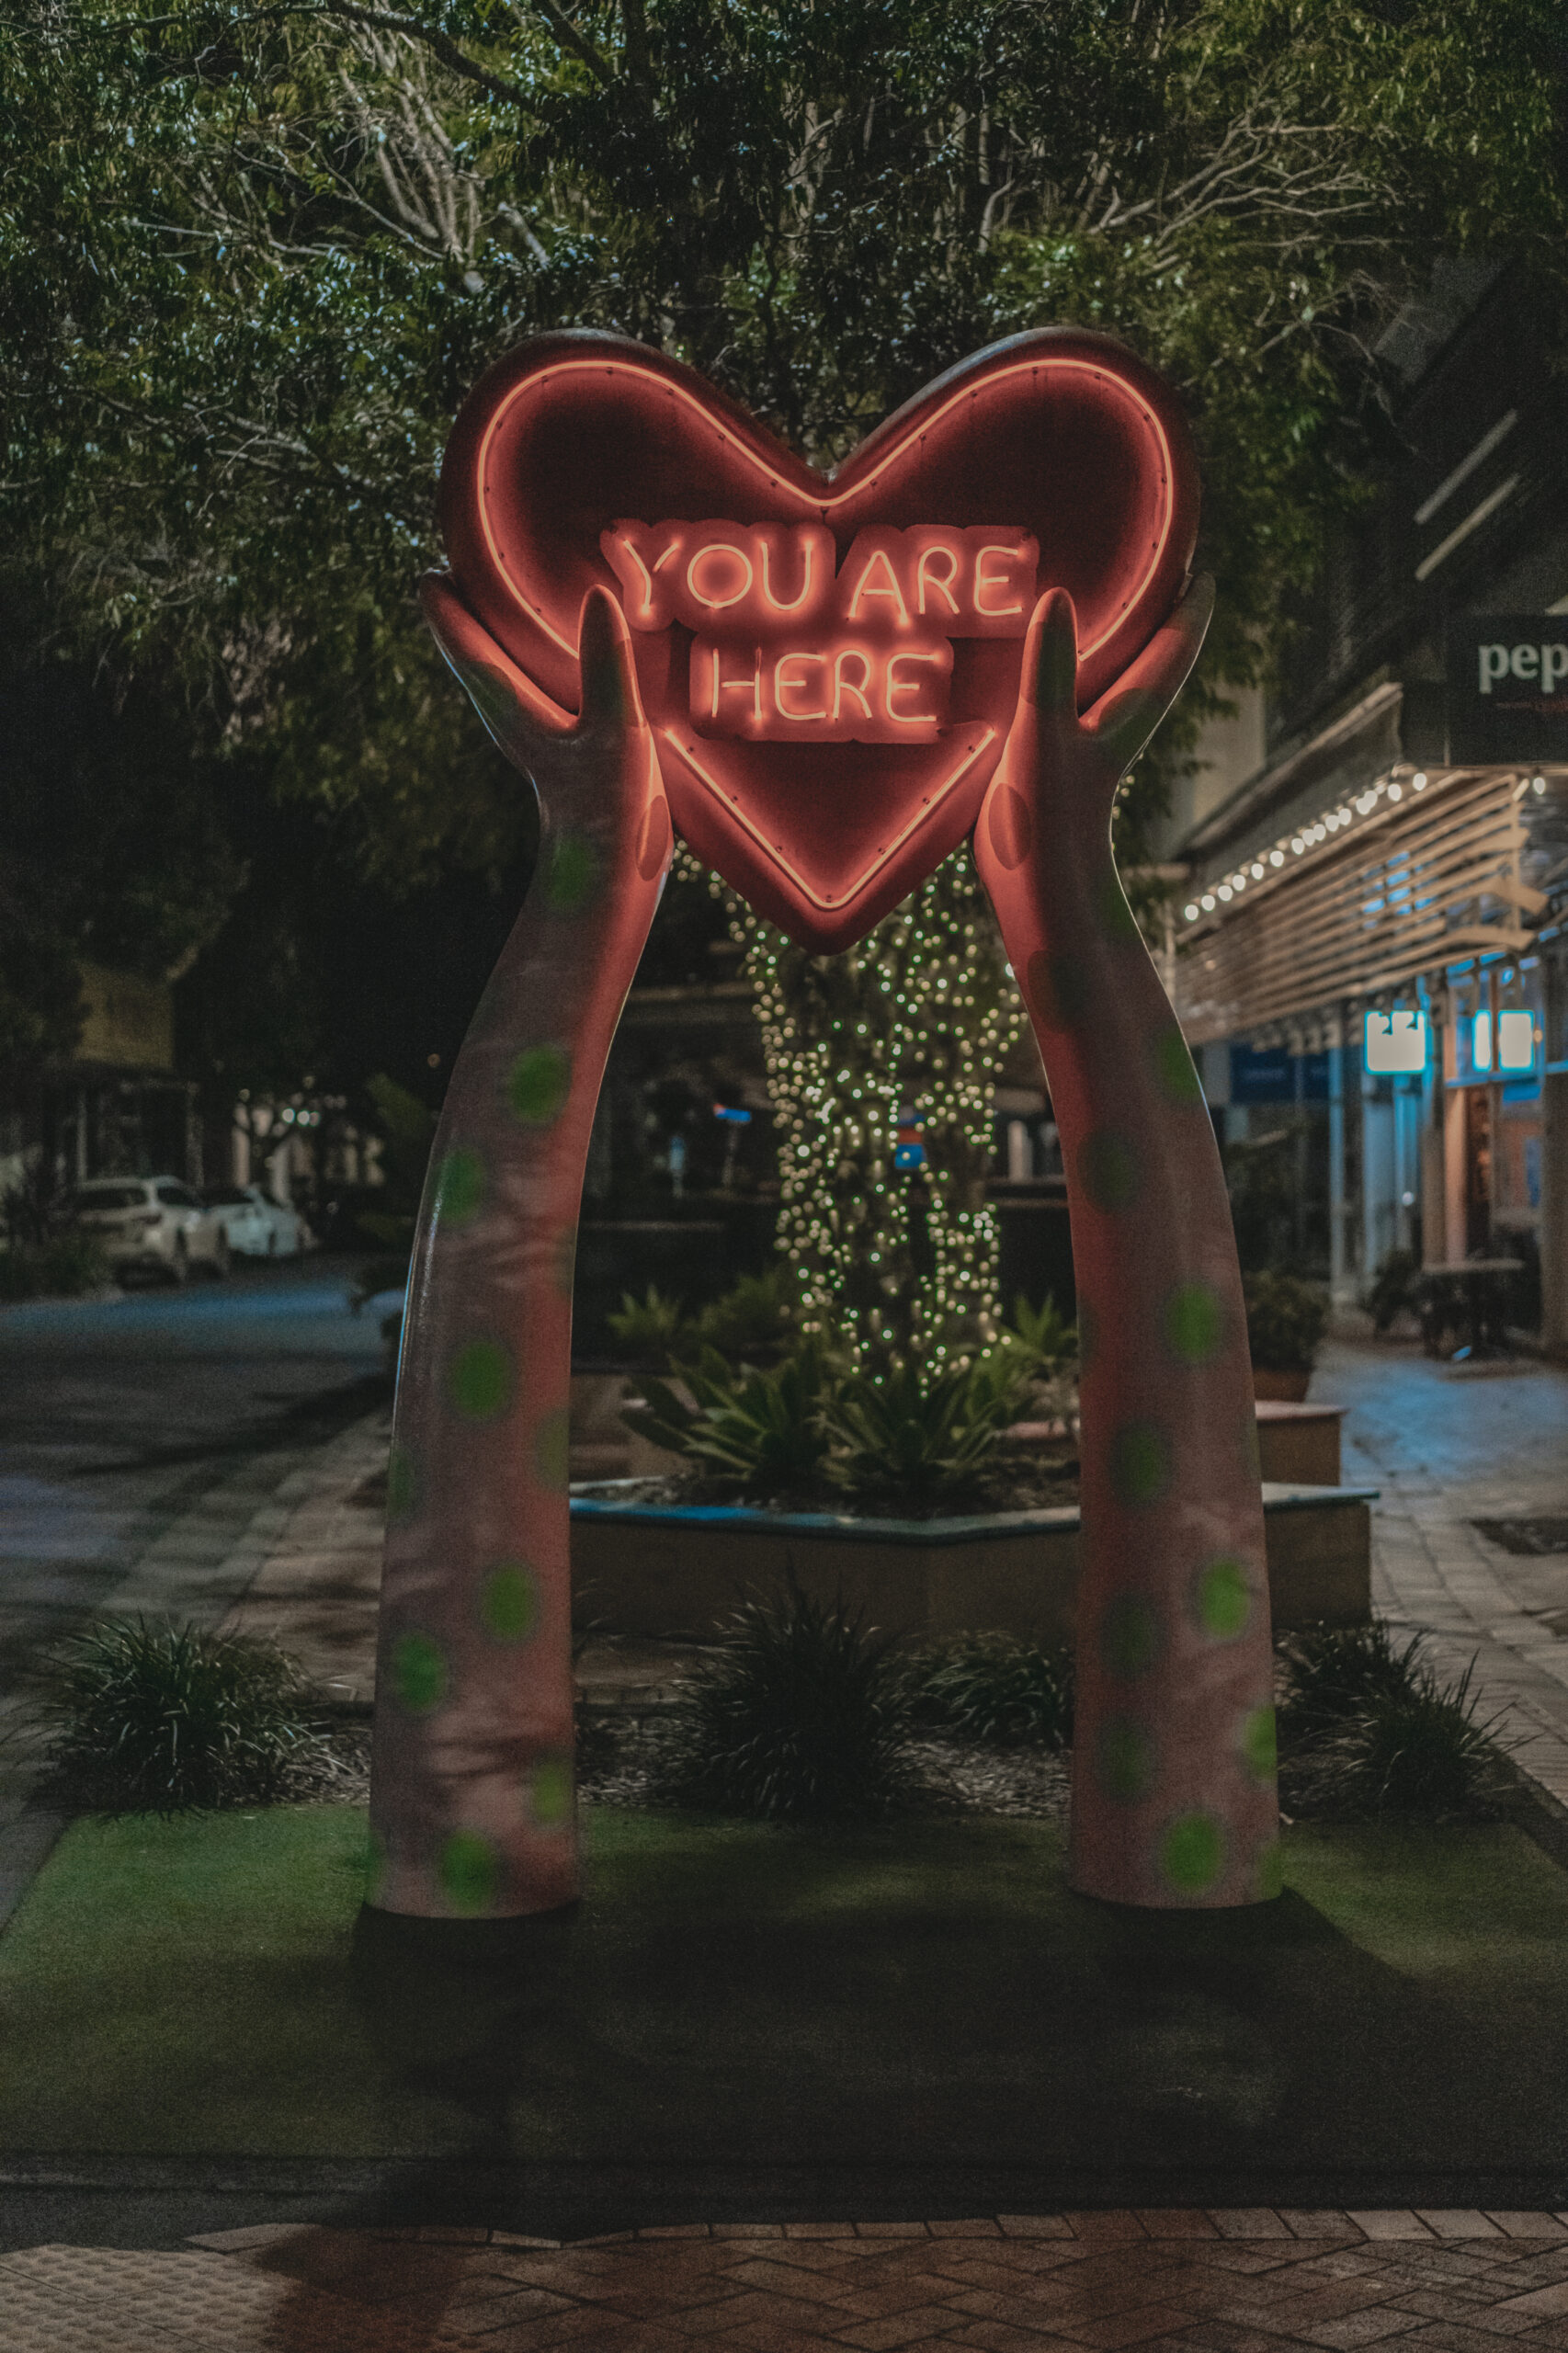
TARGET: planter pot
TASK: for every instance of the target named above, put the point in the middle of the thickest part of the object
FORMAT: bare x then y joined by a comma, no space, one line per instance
653,1570
1299,1445
1280,1388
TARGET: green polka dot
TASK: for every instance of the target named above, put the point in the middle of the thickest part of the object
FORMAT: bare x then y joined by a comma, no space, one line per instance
1175,1069
538,1085
375,1866
1194,1323
509,1603
1058,990
1117,921
460,1187
402,1484
419,1673
1124,1760
550,1792
490,690
479,1379
1270,1872
1260,1746
1192,1853
551,1446
1222,1594
1130,1635
471,1872
1140,1464
1107,1170
574,875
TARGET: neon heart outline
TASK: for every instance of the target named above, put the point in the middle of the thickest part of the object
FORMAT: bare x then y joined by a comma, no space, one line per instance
486,530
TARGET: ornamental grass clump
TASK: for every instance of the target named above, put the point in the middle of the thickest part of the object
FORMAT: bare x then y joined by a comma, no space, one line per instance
800,1716
1367,1725
153,1718
994,1689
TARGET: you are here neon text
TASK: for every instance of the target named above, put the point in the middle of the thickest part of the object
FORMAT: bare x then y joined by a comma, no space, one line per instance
790,645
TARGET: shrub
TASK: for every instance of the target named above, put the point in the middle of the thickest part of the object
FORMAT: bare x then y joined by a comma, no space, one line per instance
760,1433
752,1318
1329,1674
800,1717
651,1329
20,1275
1392,1288
1285,1319
70,1263
919,1435
996,1690
62,1267
1365,1722
1421,1751
1051,1342
160,1719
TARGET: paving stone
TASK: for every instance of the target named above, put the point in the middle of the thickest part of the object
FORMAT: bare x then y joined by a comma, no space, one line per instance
1528,2225
1458,2222
1388,2222
1249,2222
1034,2226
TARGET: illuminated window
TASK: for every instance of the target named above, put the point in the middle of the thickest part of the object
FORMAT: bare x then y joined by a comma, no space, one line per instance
1396,1043
1481,1041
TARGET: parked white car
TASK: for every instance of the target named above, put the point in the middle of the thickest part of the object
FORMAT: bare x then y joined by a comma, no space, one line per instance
150,1225
257,1225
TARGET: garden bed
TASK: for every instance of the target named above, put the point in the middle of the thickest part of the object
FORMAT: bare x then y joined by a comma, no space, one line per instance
661,1570
921,1993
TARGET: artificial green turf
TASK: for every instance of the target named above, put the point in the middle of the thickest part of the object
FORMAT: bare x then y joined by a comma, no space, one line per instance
732,1995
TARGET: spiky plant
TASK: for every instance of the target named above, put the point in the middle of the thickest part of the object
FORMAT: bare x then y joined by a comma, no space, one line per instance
800,1716
157,1719
993,1689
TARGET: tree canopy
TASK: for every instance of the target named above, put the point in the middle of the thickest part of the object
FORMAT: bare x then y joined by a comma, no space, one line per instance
253,256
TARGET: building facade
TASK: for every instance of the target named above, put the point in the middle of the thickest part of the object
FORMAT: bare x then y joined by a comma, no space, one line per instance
1370,950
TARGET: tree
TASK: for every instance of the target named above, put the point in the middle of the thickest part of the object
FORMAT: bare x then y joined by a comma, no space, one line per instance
254,255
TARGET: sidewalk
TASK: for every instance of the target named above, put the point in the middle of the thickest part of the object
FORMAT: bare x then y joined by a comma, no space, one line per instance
1449,1444
1247,2280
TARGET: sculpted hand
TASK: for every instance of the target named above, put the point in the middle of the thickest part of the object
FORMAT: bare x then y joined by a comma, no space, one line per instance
471,1795
1172,1769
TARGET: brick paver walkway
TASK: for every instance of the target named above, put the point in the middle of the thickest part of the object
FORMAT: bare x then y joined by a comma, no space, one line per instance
1247,2280
1447,1446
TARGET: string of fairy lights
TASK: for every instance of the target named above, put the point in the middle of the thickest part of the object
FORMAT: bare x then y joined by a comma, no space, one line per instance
919,1015
1262,865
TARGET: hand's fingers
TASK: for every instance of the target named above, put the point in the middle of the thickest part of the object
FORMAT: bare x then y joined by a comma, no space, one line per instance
1127,715
1048,678
520,717
610,697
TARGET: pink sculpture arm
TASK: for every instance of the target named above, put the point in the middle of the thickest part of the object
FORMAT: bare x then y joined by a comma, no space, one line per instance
1173,1783
472,1806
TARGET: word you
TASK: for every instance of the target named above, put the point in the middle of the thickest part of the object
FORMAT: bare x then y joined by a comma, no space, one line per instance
790,645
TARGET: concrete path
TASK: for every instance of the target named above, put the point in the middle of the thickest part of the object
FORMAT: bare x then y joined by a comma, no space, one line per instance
1447,1446
1247,2280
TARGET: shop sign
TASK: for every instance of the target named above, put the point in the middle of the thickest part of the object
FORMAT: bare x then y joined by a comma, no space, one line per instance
1273,1074
1507,688
1397,1044
829,662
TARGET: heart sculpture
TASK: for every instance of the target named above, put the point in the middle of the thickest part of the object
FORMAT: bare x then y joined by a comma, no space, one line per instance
829,664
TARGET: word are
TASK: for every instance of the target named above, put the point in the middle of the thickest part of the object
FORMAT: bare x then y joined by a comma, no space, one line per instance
790,644
1545,667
